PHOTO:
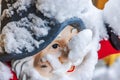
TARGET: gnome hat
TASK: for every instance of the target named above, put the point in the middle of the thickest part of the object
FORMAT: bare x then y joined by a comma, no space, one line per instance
27,31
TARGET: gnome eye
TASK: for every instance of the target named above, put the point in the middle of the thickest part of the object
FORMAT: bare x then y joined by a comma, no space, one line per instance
43,66
55,46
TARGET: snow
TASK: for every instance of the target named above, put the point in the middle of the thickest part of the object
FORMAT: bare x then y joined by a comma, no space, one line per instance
80,44
20,5
84,9
39,28
111,14
63,10
19,34
5,73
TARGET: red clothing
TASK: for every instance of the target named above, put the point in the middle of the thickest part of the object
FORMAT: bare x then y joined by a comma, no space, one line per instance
106,49
14,75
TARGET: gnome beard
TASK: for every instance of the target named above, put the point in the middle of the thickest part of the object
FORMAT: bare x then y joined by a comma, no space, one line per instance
79,64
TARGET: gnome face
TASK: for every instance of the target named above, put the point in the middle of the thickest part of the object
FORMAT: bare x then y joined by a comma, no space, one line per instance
66,57
58,48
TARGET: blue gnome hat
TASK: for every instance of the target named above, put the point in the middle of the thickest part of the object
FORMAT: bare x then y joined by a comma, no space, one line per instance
27,31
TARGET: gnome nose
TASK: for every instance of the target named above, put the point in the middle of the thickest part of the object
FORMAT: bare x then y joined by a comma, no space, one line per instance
65,50
64,56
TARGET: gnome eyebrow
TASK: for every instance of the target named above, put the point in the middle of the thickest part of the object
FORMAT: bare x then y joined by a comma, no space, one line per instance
55,45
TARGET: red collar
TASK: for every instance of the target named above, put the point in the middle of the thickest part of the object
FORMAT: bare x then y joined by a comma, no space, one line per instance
106,49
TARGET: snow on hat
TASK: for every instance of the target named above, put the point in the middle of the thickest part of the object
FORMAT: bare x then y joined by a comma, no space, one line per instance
27,30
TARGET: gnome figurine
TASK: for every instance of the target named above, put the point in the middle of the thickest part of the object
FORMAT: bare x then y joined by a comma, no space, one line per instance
49,39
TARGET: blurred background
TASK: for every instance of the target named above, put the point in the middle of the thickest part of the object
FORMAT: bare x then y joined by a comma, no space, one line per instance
108,67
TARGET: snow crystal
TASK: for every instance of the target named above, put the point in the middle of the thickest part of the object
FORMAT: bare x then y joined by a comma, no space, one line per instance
22,5
40,28
5,73
19,34
62,10
111,15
